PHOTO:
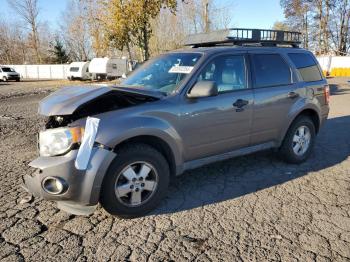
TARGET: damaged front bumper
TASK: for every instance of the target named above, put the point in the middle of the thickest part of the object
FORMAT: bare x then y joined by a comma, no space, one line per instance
81,188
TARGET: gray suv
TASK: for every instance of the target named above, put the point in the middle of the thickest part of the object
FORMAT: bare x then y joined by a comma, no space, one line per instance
120,145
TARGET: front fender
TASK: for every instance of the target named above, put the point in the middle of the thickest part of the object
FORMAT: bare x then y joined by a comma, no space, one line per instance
113,131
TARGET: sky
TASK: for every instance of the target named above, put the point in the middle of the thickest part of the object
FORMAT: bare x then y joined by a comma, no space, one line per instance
245,13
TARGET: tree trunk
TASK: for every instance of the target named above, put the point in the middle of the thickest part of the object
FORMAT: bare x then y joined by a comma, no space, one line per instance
325,29
36,44
344,25
145,40
306,32
206,17
320,26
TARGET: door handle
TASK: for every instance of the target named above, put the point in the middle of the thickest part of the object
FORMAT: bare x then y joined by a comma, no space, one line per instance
240,103
293,95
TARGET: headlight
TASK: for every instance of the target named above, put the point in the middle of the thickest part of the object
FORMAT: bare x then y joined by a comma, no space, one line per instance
58,141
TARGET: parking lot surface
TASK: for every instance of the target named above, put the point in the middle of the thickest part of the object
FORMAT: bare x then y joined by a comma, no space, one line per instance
252,208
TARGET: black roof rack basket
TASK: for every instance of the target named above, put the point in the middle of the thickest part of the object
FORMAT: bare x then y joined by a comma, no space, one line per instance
242,36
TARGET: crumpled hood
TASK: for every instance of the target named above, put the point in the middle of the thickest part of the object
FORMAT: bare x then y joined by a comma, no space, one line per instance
66,100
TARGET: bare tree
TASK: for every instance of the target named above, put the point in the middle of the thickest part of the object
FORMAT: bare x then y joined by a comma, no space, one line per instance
13,44
28,11
74,30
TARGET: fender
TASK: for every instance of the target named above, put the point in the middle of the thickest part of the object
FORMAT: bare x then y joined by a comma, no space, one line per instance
298,107
114,130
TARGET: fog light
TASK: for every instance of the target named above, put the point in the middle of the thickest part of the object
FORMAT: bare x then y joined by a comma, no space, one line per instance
54,185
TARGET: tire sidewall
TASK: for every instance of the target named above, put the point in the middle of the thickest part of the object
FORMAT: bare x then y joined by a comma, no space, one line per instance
289,140
109,200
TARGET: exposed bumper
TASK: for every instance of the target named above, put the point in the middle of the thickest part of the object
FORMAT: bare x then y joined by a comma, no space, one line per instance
83,185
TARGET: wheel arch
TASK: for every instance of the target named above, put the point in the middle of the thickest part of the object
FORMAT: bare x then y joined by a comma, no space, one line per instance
157,143
309,112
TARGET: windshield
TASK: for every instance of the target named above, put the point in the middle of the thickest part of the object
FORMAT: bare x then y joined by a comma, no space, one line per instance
164,73
7,69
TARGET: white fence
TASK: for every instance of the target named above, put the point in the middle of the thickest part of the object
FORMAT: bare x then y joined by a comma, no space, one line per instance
60,71
42,71
329,62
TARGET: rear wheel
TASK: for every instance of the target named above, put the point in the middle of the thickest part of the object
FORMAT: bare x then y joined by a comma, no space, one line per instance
4,79
136,181
299,141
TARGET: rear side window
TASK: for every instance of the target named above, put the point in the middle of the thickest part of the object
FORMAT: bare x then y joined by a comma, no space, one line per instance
306,66
270,70
74,69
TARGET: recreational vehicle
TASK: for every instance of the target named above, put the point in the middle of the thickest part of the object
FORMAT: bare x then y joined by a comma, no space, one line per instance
78,70
108,68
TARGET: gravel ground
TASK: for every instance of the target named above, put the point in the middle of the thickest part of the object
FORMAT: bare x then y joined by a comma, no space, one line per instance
250,208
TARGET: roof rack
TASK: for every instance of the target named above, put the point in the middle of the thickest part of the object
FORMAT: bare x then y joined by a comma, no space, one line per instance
243,36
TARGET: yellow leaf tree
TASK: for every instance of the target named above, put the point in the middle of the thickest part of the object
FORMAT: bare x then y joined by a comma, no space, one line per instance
129,22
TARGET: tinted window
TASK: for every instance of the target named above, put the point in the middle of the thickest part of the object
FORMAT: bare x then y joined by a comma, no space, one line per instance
306,66
270,70
7,69
227,71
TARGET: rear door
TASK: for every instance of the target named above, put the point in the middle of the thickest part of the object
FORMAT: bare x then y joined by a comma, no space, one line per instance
219,124
311,79
274,95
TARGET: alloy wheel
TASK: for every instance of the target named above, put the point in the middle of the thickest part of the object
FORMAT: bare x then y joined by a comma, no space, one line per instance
136,183
301,140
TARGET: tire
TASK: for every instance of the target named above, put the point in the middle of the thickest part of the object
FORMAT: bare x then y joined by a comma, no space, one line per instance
287,150
18,80
132,156
4,79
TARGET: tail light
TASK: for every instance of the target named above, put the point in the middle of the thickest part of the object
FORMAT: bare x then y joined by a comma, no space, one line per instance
326,93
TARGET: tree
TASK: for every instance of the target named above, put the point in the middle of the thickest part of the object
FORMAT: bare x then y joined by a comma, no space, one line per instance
95,15
297,14
59,53
278,25
326,24
28,11
118,30
75,32
131,22
340,34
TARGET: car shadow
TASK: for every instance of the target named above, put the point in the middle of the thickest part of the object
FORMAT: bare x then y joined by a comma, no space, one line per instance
336,89
245,175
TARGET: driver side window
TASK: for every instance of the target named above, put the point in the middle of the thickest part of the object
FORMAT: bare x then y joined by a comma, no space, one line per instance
228,72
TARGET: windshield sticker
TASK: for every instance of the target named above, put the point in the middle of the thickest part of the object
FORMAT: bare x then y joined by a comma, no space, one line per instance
176,69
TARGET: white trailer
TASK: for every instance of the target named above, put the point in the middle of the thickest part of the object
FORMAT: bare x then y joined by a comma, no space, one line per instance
108,68
78,70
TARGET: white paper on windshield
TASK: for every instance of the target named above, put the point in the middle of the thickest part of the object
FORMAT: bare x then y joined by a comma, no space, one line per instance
87,143
176,69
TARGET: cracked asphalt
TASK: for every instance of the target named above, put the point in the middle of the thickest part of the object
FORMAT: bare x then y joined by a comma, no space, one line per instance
252,208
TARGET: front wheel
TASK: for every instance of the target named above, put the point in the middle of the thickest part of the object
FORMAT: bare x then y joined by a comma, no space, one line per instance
299,141
136,181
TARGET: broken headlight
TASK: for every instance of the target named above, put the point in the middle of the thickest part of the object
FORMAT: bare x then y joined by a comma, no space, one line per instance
57,141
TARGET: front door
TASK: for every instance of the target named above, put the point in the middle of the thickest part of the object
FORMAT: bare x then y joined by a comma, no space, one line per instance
219,124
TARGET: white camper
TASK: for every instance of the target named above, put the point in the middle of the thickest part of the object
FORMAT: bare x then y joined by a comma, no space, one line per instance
108,68
78,70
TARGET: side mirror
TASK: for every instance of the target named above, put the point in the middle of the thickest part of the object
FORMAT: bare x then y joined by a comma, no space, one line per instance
203,89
